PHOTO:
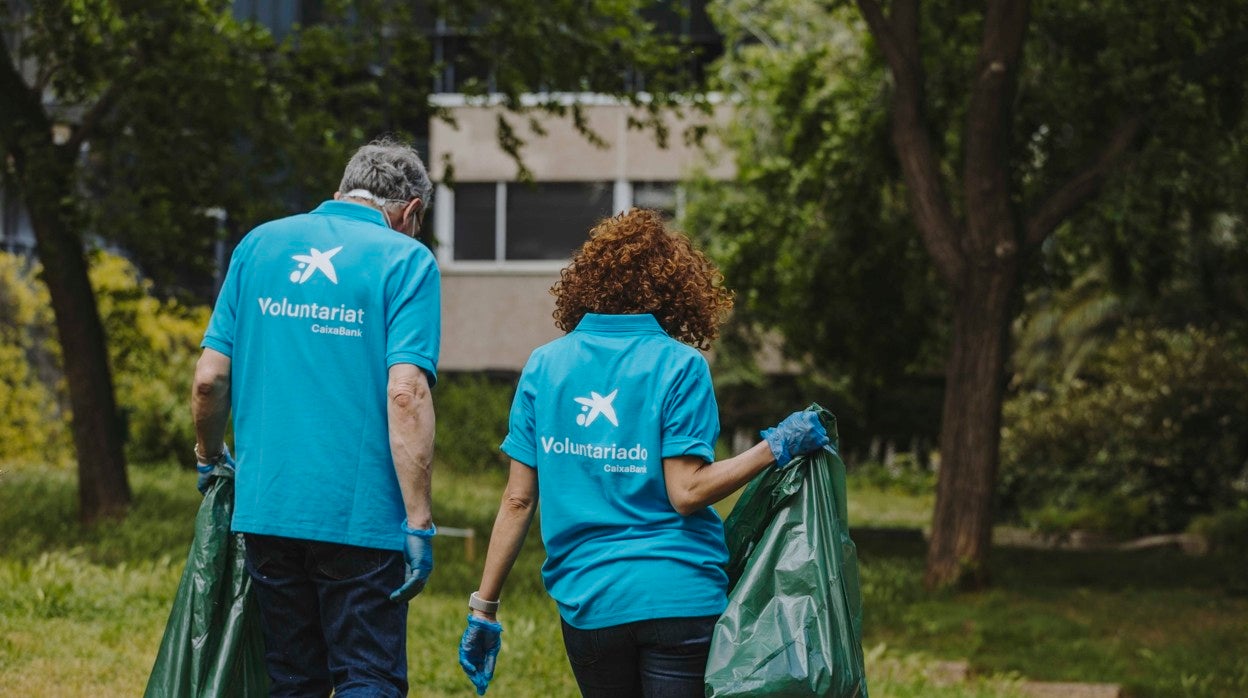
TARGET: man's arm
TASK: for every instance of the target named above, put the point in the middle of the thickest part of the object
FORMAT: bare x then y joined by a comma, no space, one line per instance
210,402
411,420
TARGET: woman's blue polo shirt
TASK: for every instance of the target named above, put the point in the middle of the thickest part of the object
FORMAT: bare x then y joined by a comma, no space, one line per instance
595,413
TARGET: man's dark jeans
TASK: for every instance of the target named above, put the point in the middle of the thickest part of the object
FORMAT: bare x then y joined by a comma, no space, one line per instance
329,623
663,658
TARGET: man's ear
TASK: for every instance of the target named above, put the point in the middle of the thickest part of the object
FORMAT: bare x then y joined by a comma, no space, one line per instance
337,196
411,213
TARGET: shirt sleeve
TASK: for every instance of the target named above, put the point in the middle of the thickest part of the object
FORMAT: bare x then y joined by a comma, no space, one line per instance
690,413
521,441
414,314
221,327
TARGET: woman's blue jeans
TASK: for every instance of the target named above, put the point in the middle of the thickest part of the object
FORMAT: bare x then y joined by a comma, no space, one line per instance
329,623
661,658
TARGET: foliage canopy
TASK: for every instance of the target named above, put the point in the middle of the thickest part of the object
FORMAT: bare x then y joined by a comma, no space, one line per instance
912,176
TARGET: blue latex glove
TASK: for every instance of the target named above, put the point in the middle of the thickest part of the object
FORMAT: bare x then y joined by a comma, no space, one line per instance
478,651
418,554
800,433
205,469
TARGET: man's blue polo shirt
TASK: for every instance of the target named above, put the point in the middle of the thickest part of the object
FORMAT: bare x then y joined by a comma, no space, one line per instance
314,310
596,412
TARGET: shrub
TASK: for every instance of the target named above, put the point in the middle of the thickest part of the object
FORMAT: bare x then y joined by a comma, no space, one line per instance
472,415
153,345
1153,432
1225,530
32,422
905,475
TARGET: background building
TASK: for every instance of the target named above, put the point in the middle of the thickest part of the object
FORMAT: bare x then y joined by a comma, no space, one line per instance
501,241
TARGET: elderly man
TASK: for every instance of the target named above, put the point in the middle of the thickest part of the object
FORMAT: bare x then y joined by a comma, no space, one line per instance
324,344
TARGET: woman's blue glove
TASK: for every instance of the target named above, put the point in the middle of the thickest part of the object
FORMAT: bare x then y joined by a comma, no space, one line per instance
205,469
418,555
478,651
800,433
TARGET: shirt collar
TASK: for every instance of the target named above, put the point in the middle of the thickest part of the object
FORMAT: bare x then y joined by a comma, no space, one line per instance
348,209
631,324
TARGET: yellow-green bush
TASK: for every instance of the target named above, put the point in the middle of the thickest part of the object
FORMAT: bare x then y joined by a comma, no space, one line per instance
152,346
32,424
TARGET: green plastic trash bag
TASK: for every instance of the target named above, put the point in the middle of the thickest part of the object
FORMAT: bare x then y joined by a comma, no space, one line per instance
793,626
213,644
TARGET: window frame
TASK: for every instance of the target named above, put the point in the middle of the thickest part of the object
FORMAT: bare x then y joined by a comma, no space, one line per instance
444,227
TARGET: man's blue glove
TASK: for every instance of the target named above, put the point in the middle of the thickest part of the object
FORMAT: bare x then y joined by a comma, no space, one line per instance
478,651
800,433
418,555
205,469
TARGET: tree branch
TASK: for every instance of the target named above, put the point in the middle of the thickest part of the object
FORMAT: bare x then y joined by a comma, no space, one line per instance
21,110
933,216
883,33
1080,188
1084,185
986,165
90,120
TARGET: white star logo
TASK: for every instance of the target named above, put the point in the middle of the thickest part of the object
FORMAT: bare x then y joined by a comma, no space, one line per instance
595,405
310,263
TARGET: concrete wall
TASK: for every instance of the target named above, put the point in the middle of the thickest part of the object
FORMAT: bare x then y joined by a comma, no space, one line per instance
563,154
491,321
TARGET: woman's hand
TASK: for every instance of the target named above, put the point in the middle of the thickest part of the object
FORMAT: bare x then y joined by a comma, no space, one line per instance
478,650
800,433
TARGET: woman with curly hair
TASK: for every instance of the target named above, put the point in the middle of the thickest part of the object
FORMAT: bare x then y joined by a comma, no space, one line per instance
613,429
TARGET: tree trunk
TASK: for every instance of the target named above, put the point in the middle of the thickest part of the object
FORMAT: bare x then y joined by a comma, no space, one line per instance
45,173
103,489
971,430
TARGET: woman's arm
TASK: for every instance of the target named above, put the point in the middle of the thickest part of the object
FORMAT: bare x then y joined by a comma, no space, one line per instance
693,484
515,514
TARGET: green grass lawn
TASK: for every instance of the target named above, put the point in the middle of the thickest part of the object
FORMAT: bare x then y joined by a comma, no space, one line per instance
82,611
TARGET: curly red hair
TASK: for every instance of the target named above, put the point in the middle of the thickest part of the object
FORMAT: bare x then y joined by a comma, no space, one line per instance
632,264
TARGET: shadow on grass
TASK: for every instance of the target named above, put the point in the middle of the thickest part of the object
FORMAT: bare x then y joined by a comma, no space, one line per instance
39,514
1153,570
1031,569
1157,622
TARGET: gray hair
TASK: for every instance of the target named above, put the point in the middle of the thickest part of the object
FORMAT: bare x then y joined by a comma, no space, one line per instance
388,169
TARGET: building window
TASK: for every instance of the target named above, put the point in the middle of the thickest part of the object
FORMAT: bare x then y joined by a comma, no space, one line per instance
281,17
475,207
16,234
513,223
550,220
660,196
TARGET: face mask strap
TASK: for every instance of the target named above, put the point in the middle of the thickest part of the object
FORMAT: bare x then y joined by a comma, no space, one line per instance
380,203
367,196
